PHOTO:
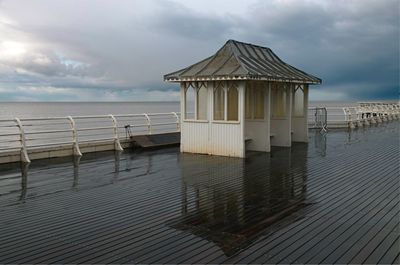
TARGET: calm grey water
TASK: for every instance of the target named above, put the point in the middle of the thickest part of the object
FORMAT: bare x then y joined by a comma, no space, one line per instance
51,109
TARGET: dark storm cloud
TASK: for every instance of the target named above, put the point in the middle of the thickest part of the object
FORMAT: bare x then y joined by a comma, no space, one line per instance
351,45
130,45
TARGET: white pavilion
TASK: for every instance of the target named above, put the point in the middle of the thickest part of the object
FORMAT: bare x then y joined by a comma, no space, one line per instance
242,98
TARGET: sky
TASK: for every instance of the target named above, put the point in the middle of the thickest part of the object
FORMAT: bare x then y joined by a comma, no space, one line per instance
98,50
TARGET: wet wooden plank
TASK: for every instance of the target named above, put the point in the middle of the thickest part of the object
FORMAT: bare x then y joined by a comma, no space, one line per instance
161,206
369,256
391,254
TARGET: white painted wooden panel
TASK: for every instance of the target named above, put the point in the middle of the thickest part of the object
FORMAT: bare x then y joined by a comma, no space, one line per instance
280,130
258,133
194,137
299,128
226,139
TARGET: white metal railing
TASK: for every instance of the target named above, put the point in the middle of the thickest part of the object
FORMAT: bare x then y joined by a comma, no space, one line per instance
335,117
371,113
28,134
364,114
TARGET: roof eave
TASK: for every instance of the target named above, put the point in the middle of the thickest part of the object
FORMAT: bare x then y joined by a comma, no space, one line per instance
176,79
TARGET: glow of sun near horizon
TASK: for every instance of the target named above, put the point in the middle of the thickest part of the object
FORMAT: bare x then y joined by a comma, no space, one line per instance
12,49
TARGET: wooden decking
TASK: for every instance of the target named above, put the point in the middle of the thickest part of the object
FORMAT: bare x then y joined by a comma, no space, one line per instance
335,200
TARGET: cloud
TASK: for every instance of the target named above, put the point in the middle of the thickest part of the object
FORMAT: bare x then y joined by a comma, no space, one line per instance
182,22
126,47
46,63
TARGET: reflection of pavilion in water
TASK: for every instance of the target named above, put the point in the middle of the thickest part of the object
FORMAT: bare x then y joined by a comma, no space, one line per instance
231,201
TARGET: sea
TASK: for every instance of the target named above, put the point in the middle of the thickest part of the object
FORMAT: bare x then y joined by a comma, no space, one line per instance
59,109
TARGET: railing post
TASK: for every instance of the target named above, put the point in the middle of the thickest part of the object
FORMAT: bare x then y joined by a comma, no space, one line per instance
396,112
76,150
389,113
348,118
24,153
117,144
177,121
384,113
315,117
148,123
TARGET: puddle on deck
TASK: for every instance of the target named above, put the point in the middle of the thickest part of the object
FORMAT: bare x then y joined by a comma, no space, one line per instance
229,201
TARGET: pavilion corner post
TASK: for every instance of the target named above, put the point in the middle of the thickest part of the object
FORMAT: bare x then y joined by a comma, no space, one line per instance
183,114
305,112
117,143
289,98
300,113
268,116
24,152
75,145
242,117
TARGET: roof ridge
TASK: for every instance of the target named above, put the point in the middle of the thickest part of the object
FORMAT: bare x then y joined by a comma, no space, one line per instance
247,43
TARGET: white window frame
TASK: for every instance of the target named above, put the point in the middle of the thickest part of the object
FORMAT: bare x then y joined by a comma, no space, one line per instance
225,86
196,86
253,86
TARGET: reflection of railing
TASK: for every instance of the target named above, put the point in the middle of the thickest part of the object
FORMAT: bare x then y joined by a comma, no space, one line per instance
321,119
25,135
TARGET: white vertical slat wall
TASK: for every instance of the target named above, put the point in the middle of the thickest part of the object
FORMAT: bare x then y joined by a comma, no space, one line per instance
226,139
194,137
214,137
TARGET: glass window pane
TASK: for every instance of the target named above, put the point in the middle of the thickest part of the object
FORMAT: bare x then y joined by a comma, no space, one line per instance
259,98
189,103
279,102
219,103
202,104
249,101
298,103
233,104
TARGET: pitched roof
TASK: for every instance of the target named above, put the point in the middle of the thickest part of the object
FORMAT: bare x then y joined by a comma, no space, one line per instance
242,61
